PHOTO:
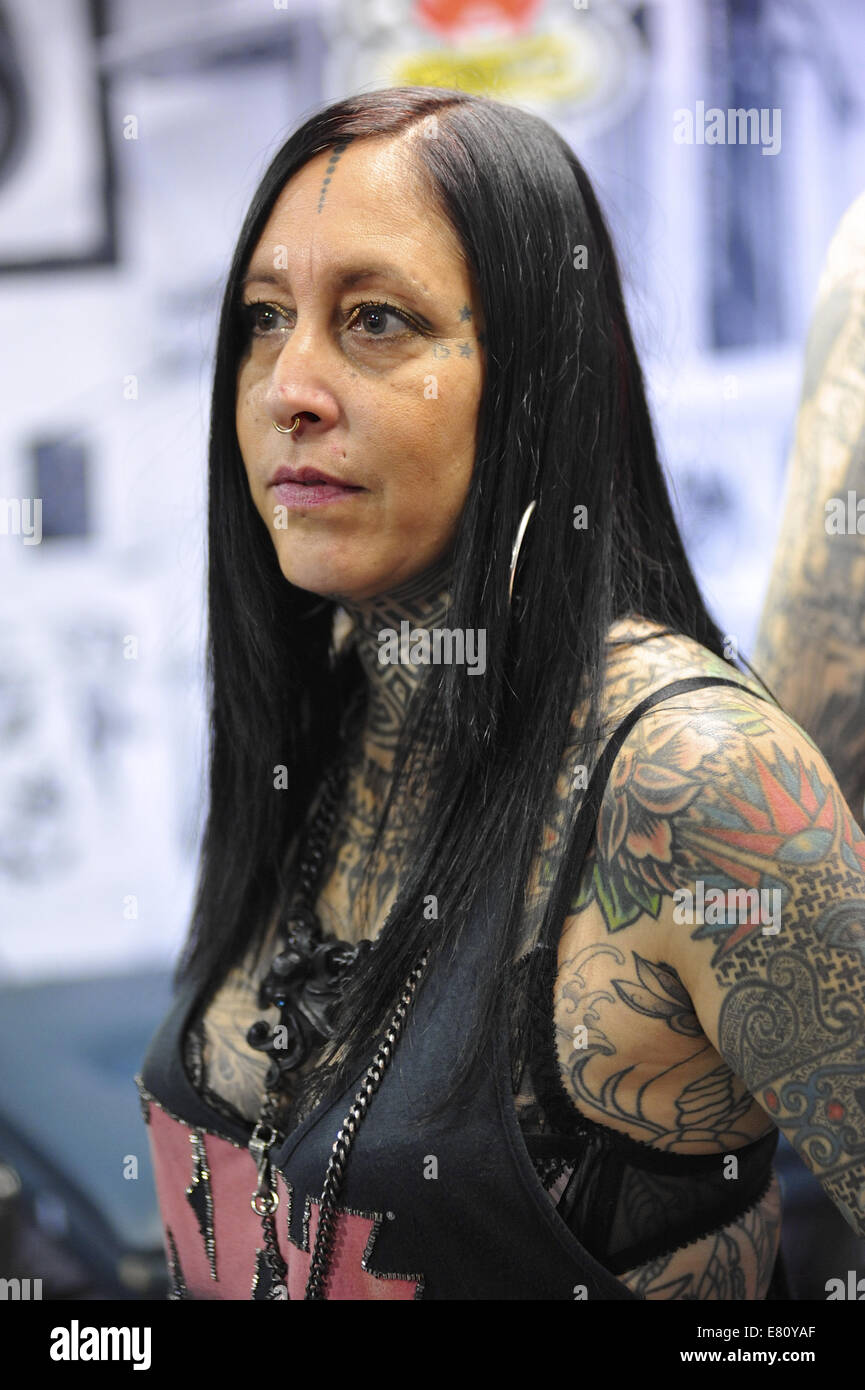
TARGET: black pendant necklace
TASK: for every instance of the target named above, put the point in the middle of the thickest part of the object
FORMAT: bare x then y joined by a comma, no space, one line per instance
308,976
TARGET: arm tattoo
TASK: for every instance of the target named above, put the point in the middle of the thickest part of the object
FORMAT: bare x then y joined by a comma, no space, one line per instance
659,993
689,1104
742,801
644,838
803,1051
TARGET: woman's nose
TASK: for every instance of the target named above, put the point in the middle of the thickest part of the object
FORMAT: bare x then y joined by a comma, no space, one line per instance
297,388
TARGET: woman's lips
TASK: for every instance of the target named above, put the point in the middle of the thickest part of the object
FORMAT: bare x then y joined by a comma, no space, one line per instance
299,495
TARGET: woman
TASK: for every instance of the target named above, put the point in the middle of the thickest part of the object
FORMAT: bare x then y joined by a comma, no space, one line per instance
460,1015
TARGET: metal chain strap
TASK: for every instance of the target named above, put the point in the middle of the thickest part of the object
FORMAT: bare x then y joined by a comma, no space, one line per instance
320,1263
266,1199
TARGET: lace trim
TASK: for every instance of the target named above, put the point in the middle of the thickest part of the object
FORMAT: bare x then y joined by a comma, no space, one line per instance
193,1062
646,1250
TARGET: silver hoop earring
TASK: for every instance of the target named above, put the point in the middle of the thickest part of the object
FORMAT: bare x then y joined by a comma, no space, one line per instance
287,429
515,553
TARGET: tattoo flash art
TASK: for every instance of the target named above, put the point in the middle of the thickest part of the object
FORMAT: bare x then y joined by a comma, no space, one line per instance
817,585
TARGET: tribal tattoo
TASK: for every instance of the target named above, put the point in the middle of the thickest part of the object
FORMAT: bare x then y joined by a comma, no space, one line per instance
423,602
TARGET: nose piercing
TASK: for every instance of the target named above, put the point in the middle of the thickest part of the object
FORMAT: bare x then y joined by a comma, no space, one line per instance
287,429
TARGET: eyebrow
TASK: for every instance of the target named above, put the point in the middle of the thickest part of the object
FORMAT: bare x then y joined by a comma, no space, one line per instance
347,278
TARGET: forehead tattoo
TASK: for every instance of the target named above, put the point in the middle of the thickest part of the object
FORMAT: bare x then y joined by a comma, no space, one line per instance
338,150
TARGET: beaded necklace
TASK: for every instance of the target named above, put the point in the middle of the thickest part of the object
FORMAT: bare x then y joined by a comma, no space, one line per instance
306,981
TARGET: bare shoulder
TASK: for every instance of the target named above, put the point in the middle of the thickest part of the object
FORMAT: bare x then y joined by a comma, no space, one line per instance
717,783
643,657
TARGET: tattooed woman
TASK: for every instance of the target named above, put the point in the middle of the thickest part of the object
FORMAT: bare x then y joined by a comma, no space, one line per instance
503,975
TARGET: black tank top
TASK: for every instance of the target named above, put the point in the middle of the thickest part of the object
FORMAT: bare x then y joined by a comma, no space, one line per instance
462,1205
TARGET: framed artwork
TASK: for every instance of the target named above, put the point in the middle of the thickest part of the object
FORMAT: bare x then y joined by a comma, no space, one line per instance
57,204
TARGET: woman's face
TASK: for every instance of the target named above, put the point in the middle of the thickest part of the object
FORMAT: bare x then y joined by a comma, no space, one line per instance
388,405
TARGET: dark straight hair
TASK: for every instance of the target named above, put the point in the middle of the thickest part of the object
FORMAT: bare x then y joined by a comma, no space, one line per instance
563,419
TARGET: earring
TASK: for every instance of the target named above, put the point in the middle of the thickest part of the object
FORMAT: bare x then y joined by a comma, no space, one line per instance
286,429
521,531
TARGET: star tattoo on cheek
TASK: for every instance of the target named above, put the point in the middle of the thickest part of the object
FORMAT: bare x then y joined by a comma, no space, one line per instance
441,350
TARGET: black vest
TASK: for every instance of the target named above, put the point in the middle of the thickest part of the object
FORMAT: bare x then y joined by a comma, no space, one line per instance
470,1216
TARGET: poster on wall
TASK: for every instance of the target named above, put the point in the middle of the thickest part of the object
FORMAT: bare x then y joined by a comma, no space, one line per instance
576,61
56,206
101,757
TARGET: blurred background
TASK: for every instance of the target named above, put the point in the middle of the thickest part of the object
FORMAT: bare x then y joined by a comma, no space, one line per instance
132,138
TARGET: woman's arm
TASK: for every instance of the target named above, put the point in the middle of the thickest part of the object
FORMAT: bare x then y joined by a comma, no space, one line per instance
724,801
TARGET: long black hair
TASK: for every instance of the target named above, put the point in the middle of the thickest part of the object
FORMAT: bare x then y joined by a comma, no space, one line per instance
563,419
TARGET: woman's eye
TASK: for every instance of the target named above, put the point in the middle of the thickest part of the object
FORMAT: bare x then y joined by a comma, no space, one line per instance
254,317
374,316
262,319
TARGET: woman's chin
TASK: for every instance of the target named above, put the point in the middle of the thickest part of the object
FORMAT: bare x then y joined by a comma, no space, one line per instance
328,581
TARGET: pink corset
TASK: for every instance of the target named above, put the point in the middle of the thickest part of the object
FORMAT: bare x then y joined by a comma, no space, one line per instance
205,1185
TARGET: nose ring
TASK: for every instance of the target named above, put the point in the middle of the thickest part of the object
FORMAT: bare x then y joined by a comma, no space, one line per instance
287,429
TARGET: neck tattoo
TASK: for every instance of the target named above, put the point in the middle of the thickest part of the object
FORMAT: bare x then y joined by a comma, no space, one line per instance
422,602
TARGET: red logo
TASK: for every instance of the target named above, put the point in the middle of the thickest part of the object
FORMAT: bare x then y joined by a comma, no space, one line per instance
448,16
